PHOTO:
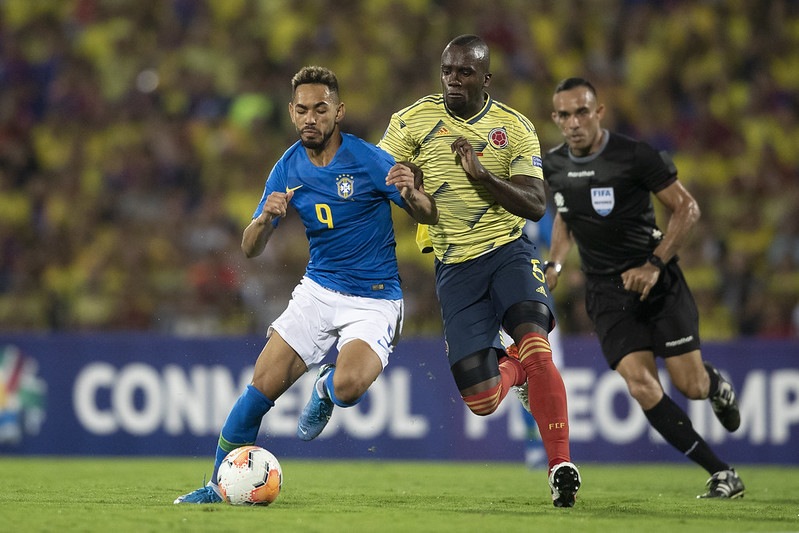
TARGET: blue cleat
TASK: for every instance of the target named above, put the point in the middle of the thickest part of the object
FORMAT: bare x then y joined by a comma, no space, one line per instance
316,412
207,494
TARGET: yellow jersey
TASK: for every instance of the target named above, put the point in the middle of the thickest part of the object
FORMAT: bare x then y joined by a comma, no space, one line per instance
471,222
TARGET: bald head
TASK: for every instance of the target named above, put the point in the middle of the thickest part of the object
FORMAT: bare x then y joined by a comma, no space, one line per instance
476,46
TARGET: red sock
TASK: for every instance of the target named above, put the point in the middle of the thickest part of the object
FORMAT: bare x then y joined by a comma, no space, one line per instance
485,403
547,396
512,373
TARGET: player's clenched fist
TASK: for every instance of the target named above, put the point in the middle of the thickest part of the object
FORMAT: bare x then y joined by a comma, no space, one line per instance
474,169
402,177
277,204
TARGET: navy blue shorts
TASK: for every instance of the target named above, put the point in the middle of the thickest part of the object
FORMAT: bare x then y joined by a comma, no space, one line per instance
475,294
666,323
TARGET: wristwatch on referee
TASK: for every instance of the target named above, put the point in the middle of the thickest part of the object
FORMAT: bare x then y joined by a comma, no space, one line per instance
657,261
557,266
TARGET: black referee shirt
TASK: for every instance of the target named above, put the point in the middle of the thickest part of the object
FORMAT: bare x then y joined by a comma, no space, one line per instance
605,200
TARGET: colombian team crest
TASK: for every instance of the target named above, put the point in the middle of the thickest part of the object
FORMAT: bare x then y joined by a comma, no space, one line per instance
345,185
602,200
498,138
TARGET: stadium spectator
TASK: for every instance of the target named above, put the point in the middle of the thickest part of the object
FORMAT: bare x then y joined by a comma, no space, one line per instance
87,84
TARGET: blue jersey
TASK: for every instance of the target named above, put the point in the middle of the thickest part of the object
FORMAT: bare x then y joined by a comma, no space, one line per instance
347,216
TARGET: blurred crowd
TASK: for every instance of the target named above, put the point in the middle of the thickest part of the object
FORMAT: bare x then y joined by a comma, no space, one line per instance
136,136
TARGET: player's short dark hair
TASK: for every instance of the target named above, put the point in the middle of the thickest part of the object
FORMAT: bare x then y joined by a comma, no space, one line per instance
571,83
315,74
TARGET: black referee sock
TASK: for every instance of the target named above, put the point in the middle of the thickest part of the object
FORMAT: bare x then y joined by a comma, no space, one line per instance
671,421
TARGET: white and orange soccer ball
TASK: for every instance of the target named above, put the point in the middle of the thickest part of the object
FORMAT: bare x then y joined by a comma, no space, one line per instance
250,475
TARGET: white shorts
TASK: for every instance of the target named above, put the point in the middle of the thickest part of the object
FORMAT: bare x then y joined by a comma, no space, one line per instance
316,317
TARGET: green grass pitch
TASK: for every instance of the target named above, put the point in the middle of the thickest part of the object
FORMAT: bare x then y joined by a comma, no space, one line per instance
121,495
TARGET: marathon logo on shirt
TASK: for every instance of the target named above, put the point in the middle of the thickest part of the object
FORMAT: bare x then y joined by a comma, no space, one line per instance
580,173
602,200
678,342
344,184
498,138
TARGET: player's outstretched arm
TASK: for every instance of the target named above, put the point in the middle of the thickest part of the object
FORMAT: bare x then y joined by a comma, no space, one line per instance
523,196
408,179
257,233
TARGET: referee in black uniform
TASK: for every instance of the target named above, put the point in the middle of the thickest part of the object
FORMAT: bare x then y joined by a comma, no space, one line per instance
636,295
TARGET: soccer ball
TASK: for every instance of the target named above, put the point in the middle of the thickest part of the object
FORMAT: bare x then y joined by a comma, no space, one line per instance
250,475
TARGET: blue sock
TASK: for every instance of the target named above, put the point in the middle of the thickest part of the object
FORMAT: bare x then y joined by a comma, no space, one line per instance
242,424
332,395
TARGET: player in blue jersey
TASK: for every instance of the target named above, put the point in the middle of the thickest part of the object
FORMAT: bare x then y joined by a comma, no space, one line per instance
350,295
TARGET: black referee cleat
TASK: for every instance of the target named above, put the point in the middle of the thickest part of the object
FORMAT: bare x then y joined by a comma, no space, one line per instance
724,484
724,403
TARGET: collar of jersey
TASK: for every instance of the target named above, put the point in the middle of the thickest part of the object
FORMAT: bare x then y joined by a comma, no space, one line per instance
480,114
590,157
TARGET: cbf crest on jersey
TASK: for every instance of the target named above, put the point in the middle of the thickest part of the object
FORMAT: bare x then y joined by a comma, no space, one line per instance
345,185
602,200
498,138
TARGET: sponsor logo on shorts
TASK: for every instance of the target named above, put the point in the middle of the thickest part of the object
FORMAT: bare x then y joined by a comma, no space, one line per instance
678,342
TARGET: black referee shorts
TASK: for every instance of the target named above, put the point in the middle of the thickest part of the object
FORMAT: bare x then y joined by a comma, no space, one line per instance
666,323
